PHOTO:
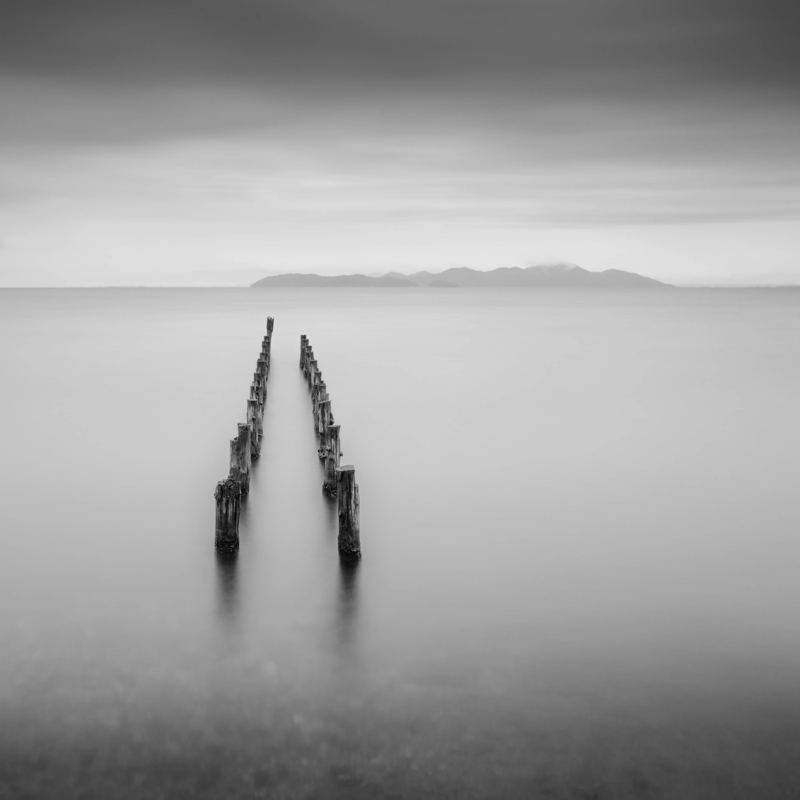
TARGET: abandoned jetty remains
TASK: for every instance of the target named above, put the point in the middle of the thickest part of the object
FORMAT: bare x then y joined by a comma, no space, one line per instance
245,449
339,479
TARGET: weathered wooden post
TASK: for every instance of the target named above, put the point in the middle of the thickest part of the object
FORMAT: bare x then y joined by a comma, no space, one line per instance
263,369
312,372
349,512
228,496
303,345
324,424
321,397
255,394
316,388
270,324
261,390
319,417
253,425
332,456
241,457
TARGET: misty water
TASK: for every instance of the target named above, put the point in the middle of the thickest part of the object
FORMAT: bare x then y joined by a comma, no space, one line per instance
580,524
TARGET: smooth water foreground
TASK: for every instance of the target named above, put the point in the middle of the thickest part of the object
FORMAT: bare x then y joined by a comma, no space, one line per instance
580,525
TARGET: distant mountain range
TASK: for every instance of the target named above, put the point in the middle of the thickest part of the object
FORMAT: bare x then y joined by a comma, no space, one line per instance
546,275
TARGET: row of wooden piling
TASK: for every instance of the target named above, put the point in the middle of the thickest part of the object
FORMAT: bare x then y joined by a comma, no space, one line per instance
245,449
340,480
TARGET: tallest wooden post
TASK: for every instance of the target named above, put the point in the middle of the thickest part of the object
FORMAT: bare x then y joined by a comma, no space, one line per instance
349,512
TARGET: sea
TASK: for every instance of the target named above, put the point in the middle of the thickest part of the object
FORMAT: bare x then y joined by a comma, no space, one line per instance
580,526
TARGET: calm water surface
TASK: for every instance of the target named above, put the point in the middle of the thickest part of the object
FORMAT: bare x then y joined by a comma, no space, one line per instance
581,533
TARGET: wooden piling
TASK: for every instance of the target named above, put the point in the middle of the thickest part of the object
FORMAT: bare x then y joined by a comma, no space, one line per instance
255,394
270,324
319,398
244,446
349,512
228,496
254,426
324,410
261,390
316,388
303,345
332,456
241,457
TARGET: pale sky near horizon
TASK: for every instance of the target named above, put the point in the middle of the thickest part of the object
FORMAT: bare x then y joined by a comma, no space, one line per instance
178,142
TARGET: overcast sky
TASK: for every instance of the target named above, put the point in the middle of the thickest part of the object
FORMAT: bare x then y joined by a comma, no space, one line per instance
206,141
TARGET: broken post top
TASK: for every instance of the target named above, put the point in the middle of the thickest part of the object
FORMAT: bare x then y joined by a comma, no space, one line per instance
229,487
346,468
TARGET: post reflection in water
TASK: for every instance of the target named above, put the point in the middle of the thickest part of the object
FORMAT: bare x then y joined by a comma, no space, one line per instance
227,591
347,602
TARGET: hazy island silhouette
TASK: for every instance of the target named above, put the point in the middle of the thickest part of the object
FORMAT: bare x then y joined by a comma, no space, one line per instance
541,276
